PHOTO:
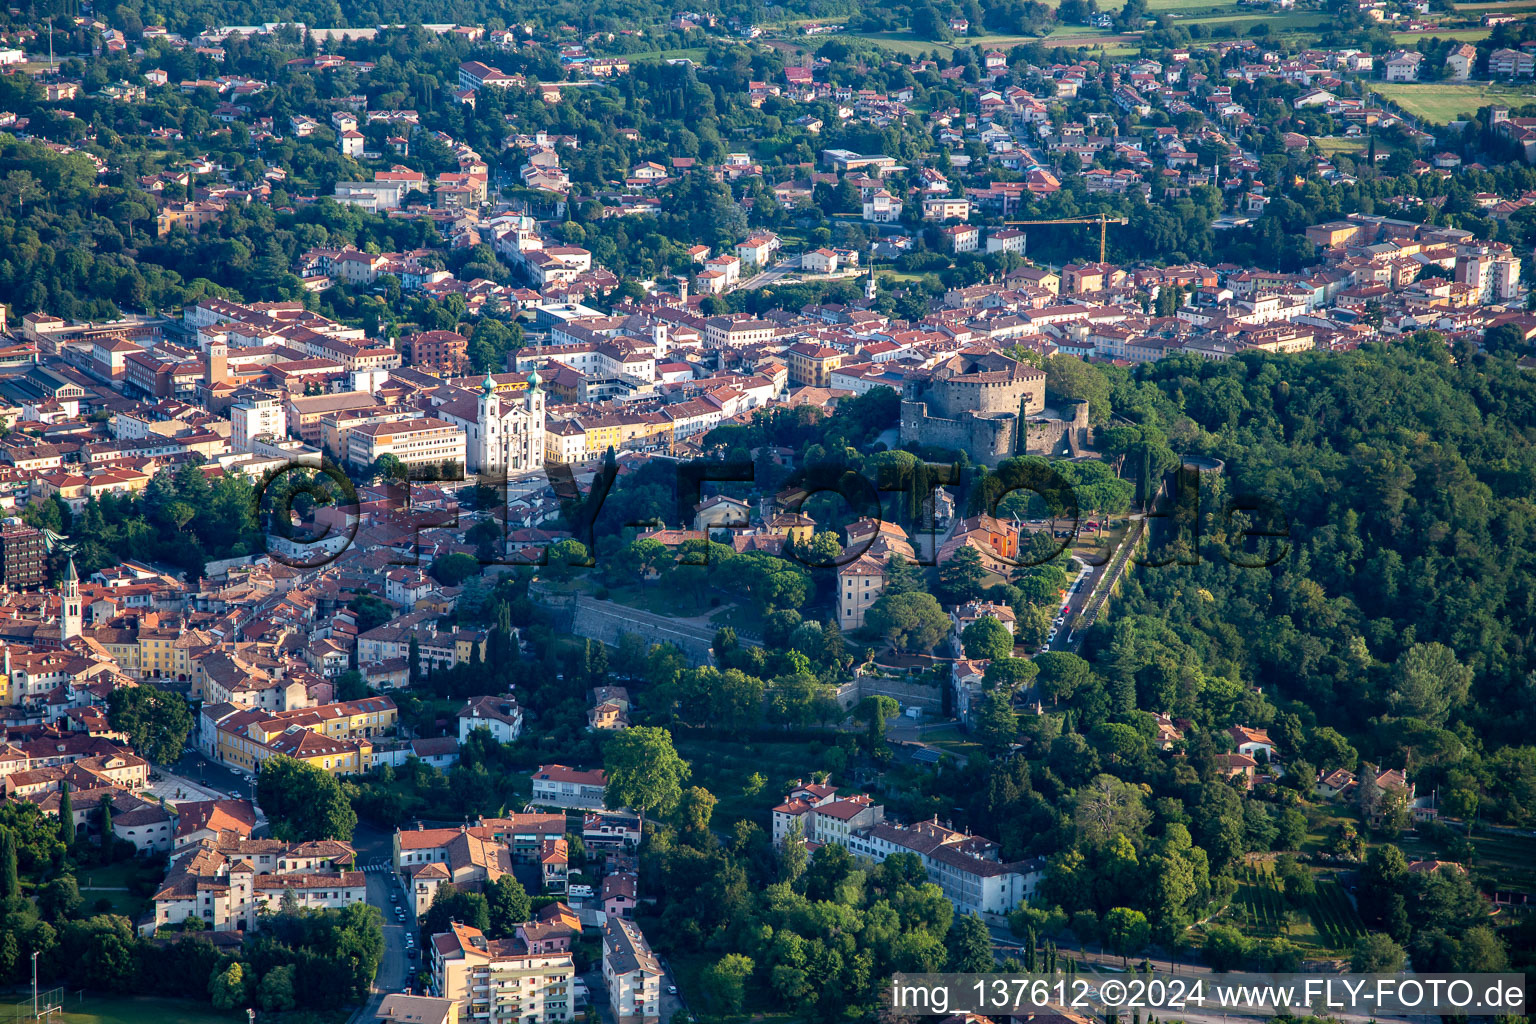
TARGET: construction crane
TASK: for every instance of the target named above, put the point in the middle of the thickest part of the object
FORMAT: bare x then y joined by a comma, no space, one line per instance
1102,220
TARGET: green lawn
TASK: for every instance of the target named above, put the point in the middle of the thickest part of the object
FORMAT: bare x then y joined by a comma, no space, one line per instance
1330,146
1191,10
1443,102
1064,35
695,54
660,600
950,738
111,876
1463,35
1241,23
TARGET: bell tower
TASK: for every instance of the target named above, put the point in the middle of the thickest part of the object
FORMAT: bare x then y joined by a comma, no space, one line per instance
489,442
70,622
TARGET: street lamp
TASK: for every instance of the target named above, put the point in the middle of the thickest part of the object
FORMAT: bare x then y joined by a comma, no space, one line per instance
34,983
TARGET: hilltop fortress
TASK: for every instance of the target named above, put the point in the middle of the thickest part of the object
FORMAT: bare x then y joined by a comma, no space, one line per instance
978,401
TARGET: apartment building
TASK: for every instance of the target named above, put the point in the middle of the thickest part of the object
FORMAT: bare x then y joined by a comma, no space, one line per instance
336,738
228,882
252,417
500,980
556,785
424,442
631,973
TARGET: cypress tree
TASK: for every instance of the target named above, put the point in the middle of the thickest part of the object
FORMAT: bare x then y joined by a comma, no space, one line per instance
106,822
10,877
66,815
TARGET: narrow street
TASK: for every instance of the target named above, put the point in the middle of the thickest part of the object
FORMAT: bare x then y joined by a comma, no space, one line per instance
396,970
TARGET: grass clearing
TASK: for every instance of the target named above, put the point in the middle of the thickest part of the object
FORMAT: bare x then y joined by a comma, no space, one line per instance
1332,146
1444,102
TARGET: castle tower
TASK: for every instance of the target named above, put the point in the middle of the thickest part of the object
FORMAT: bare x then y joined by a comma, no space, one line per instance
70,621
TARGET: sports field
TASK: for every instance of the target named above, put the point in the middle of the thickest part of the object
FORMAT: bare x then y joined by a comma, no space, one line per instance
93,1009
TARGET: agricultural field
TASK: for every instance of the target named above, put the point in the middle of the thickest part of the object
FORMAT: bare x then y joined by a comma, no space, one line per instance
1443,102
1334,916
1260,905
1327,921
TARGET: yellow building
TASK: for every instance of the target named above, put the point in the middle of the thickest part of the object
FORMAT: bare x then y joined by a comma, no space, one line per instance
462,645
812,364
336,738
602,436
192,216
793,525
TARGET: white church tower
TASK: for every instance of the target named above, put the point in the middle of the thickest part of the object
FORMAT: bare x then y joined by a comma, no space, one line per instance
70,622
488,443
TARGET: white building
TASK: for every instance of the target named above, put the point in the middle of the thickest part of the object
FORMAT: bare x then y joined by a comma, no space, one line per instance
556,785
631,973
1006,240
968,868
882,208
425,442
499,715
229,882
252,417
508,433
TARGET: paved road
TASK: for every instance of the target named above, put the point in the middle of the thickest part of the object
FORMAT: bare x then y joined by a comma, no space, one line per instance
770,275
214,777
374,849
